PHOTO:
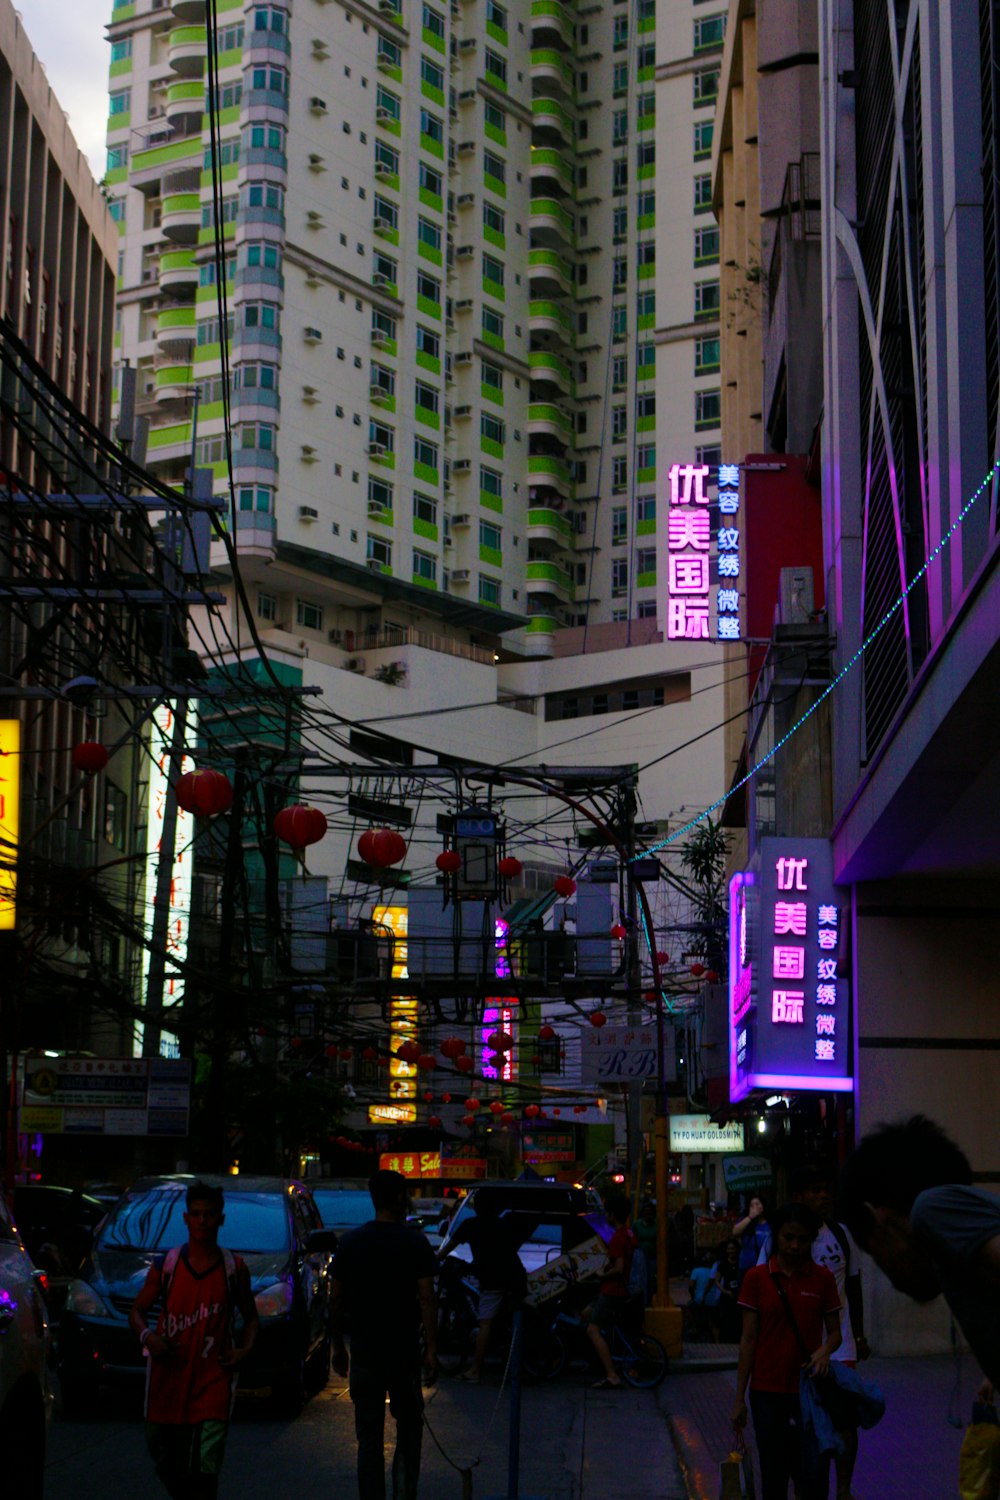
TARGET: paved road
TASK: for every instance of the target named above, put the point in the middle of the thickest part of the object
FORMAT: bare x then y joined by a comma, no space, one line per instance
577,1444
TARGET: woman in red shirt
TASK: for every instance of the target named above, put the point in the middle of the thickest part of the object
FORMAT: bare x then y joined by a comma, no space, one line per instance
771,1360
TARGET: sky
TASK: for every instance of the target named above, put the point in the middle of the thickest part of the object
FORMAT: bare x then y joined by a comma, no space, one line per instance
68,37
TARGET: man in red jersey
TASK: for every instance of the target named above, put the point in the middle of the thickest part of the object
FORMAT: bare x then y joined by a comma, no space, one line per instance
193,1360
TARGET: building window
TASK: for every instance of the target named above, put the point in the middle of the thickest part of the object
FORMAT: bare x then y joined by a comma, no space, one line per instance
431,126
382,435
619,226
432,74
645,457
619,525
428,233
491,481
495,65
383,325
645,508
619,472
645,204
492,428
489,591
492,269
428,342
619,423
380,493
495,116
645,560
386,267
645,254
706,245
120,102
424,566
386,210
619,127
619,372
702,139
707,409
620,77
267,606
620,33
430,179
706,356
426,396
709,31
619,273
309,616
619,577
379,550
491,375
490,536
497,14
645,154
494,166
387,101
428,286
433,22
706,86
619,175
706,299
702,191
492,322
425,453
389,52
493,217
386,157
425,509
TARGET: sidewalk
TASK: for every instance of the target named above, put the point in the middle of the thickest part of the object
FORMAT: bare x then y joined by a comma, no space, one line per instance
911,1455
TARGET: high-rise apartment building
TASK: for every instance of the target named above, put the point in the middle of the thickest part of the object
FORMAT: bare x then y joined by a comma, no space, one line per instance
471,283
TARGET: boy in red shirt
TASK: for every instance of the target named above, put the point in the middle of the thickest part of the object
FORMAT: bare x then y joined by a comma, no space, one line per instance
193,1362
612,1300
771,1352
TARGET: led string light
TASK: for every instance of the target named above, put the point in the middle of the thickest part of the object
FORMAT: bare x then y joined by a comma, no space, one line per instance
693,823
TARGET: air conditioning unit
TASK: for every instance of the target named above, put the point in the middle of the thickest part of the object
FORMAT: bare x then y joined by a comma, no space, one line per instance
380,279
314,219
309,456
388,7
316,163
310,395
308,513
465,358
381,170
461,466
376,509
466,96
379,223
377,450
312,335
466,200
320,49
465,252
317,105
467,44
462,413
459,575
374,566
380,340
464,304
448,542
335,636
357,663
382,114
466,148
460,520
378,393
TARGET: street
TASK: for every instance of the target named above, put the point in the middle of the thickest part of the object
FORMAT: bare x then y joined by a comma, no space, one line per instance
577,1444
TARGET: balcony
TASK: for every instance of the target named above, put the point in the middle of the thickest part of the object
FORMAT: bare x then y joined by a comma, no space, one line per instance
188,11
552,420
550,25
548,579
550,115
178,270
180,219
173,382
551,275
545,470
551,167
548,369
550,317
548,219
185,98
549,66
548,525
175,330
186,47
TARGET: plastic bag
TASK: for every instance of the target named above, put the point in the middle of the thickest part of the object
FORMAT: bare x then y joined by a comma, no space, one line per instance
979,1462
736,1480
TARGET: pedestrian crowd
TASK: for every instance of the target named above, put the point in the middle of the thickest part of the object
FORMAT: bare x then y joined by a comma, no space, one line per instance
785,1284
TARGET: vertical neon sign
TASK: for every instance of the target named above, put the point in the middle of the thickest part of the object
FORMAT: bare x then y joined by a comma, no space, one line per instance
727,597
498,1012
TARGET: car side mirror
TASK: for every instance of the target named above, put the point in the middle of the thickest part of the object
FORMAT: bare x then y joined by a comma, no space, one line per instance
322,1241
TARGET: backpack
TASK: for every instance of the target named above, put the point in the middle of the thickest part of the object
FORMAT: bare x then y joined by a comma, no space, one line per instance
169,1266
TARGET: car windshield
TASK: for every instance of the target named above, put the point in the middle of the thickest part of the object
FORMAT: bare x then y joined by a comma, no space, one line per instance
342,1206
255,1222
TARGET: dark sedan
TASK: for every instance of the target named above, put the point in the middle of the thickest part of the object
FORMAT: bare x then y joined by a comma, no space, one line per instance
271,1222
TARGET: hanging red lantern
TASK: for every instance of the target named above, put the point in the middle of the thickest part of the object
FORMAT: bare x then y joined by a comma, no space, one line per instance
449,861
434,1121
464,1064
598,1019
532,1111
557,1111
383,1062
546,1033
711,976
506,1120
618,931
579,1109
204,793
697,970
509,867
369,1054
564,885
331,1051
542,1115
428,1097
496,1108
383,848
469,1121
471,1105
452,1046
90,756
445,1098
500,1041
345,1053
300,825
296,1042
408,1052
661,957
426,1062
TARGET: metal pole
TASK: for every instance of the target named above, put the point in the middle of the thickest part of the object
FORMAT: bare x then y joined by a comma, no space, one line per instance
164,883
514,1434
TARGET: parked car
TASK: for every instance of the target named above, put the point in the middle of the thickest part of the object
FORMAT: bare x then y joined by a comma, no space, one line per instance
57,1225
271,1222
342,1208
546,1219
24,1338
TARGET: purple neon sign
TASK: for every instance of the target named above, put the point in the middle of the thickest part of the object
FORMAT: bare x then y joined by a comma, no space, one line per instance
498,1014
788,1004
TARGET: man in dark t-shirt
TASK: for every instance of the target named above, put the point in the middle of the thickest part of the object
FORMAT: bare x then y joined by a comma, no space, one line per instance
496,1265
383,1273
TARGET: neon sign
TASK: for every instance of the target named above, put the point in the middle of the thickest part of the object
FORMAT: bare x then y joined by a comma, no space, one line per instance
10,786
402,1014
689,547
788,1011
499,1015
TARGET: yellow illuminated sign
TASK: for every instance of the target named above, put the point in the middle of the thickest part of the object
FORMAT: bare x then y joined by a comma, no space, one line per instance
402,1013
392,1114
10,808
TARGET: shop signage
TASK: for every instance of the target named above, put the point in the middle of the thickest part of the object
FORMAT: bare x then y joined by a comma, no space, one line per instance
789,1017
106,1096
622,1054
392,1114
690,544
747,1174
698,1133
10,787
548,1145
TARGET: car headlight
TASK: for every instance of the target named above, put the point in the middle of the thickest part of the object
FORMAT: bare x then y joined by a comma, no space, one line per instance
274,1301
81,1298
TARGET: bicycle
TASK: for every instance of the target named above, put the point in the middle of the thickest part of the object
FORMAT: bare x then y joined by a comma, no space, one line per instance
640,1359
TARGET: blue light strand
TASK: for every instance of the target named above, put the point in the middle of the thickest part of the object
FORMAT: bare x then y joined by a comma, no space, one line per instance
693,823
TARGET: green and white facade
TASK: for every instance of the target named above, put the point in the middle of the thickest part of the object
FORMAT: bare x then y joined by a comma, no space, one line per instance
471,289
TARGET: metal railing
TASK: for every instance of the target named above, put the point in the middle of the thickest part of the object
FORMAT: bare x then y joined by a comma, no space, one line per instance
800,211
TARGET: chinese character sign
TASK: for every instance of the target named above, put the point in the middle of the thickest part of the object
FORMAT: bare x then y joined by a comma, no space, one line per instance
10,783
789,1017
691,539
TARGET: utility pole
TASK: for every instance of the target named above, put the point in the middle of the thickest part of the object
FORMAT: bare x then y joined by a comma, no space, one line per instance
633,979
215,1139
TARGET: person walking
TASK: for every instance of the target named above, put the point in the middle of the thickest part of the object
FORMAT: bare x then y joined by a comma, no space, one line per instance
753,1233
193,1357
496,1266
383,1272
612,1301
790,1293
906,1195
